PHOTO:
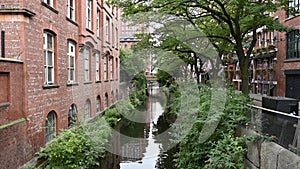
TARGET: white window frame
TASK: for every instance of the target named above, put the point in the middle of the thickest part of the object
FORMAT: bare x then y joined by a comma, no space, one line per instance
87,64
71,9
266,38
97,66
49,52
49,2
71,61
89,14
50,127
111,68
259,39
107,25
98,23
105,68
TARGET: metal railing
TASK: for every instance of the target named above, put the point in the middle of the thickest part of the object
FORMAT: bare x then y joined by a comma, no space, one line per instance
282,127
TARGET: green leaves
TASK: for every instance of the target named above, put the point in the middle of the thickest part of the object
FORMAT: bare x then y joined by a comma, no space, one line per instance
78,147
222,149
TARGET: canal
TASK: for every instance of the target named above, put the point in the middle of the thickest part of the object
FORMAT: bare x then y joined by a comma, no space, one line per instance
135,142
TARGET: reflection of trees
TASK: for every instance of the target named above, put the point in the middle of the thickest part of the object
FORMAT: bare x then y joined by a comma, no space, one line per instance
165,159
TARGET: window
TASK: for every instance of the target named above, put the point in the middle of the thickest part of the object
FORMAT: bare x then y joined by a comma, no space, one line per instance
97,66
259,40
105,102
87,110
48,58
89,14
272,37
104,68
112,97
117,34
98,105
49,2
98,23
293,7
72,116
266,38
107,24
71,9
87,64
112,34
292,44
116,69
111,69
50,126
71,62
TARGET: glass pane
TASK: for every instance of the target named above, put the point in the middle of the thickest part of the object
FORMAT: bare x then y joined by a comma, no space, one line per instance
50,58
50,74
45,57
71,61
50,41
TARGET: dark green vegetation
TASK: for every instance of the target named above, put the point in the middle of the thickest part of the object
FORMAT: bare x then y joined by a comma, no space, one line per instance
78,147
230,25
223,149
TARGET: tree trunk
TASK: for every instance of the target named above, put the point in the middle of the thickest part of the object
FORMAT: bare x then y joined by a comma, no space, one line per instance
245,76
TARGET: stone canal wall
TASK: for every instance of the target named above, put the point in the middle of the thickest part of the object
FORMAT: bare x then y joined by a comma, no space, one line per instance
269,155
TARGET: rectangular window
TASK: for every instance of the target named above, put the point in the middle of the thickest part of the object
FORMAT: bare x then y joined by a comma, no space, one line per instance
292,45
71,63
107,25
116,37
111,68
49,2
112,34
48,58
98,23
104,68
272,37
87,64
89,14
71,9
97,66
259,40
266,38
294,5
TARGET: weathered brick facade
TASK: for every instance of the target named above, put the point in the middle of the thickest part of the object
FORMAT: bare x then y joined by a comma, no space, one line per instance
26,99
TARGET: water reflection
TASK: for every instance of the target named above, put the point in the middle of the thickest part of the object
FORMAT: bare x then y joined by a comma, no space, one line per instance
146,151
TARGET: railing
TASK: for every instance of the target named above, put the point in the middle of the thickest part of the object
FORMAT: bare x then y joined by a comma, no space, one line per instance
282,127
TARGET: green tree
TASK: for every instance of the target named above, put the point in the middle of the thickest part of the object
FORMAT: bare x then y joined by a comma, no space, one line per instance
231,25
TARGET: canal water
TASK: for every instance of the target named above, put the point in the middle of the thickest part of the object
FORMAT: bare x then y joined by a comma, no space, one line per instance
141,148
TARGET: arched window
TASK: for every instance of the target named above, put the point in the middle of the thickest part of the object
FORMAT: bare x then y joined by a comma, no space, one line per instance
87,110
72,116
112,97
98,107
105,100
50,126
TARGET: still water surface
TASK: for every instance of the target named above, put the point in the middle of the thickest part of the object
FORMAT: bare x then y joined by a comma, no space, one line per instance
146,152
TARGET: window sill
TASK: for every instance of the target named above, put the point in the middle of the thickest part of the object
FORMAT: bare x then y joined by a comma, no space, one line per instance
98,81
73,22
292,60
49,7
87,29
48,86
72,84
88,82
4,105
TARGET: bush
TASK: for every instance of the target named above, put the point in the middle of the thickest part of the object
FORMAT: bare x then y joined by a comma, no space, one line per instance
79,147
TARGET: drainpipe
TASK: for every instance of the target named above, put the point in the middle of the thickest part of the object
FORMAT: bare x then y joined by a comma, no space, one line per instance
2,43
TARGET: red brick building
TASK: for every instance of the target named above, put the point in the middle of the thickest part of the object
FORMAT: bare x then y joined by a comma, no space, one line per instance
59,62
275,63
